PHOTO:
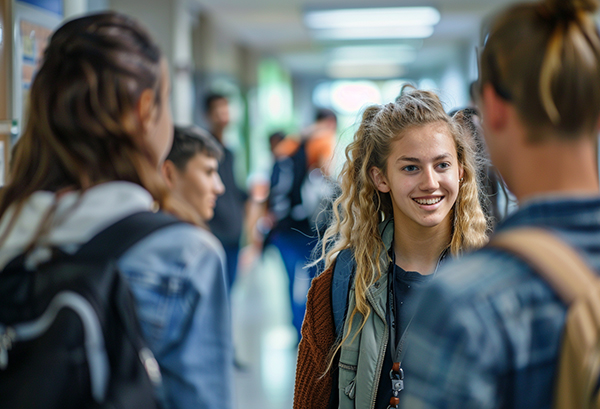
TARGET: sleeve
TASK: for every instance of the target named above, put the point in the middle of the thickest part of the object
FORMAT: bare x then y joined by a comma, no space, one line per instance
312,389
178,279
452,355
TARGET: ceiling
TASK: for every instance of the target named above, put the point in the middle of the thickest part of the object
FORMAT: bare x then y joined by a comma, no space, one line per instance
275,27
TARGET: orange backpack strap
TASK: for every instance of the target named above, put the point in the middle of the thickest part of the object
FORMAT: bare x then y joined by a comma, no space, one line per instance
557,262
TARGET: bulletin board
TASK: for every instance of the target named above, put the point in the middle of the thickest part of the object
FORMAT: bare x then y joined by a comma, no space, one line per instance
34,22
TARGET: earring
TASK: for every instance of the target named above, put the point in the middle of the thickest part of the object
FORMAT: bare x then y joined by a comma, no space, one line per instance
460,180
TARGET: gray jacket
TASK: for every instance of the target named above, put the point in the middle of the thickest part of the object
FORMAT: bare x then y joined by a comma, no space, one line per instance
361,357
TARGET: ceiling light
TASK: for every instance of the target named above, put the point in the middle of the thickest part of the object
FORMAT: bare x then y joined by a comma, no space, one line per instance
362,69
372,17
379,33
400,53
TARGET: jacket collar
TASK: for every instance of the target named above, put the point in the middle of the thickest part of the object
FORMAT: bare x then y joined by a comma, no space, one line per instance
386,231
555,212
377,293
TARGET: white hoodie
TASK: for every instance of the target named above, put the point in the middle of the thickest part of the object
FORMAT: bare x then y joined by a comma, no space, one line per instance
76,220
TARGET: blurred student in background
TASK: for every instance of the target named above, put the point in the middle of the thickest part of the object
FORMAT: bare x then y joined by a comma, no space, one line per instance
230,211
191,169
488,331
298,186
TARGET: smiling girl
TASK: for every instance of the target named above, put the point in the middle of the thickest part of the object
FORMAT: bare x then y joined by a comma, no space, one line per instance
409,199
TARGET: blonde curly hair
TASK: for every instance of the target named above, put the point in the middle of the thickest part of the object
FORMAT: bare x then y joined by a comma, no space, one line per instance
360,207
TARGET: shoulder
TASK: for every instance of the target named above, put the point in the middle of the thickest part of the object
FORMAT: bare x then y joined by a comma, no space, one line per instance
321,284
482,292
482,273
181,245
184,237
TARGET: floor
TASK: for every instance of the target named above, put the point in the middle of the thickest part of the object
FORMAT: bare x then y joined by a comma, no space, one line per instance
264,338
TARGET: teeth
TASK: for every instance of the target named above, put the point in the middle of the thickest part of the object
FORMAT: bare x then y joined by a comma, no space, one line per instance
428,201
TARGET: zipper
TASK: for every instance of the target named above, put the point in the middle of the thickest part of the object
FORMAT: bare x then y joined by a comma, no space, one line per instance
7,338
151,365
382,351
350,389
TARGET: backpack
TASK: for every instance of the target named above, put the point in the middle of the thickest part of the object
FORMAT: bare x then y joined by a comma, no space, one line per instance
578,371
69,333
301,198
343,272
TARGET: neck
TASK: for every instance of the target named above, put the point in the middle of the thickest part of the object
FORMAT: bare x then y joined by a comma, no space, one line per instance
567,168
418,248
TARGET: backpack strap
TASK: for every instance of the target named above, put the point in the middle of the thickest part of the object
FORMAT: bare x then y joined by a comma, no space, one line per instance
117,238
578,370
340,286
110,244
554,260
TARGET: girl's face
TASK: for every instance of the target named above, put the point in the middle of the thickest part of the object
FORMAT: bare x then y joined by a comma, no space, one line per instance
159,126
422,176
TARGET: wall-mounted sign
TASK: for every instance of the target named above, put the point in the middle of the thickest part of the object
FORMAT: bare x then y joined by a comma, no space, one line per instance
34,22
54,6
34,39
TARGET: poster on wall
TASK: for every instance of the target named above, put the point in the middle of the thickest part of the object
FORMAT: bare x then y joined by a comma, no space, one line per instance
34,39
35,20
53,6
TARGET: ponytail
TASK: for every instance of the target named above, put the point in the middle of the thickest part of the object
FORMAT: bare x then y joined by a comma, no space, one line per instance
547,56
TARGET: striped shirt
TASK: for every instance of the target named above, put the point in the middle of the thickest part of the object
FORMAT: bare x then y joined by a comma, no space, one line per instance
487,332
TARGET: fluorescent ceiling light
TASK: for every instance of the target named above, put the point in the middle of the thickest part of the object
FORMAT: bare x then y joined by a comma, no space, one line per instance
379,33
401,53
361,62
372,61
365,71
372,17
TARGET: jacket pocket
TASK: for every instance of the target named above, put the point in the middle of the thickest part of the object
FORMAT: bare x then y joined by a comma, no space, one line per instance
347,381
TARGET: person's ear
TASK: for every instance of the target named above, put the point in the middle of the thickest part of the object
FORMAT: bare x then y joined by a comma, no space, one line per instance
379,180
495,108
169,172
146,108
461,172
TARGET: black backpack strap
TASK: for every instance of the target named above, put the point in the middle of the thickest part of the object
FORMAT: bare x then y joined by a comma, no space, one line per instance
112,243
116,239
340,286
300,161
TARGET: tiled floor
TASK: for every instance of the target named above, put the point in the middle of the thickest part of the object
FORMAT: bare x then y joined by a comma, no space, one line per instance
264,337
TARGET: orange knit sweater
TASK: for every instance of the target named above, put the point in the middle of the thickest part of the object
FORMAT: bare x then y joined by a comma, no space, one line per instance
312,389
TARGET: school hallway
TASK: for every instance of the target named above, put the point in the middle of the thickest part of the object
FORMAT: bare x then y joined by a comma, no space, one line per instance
264,337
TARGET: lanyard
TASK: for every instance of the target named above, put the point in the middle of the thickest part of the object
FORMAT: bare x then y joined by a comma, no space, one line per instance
397,350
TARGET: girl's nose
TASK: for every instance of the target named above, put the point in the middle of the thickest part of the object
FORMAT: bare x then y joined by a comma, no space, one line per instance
429,180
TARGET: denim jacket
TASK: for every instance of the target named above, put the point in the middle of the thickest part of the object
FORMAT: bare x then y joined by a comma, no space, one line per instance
177,277
487,333
176,274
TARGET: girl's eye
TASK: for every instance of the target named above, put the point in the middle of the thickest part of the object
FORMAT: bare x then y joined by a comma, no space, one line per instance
410,168
444,165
